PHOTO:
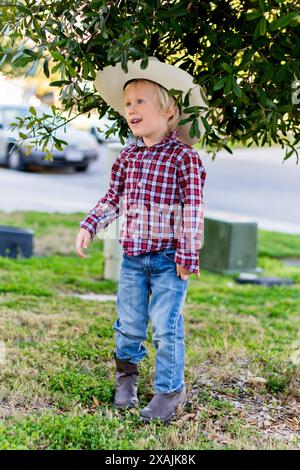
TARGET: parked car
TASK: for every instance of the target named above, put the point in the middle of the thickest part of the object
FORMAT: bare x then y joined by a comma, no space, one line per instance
103,124
81,150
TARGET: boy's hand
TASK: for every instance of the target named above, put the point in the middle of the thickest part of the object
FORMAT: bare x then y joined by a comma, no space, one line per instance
182,272
82,241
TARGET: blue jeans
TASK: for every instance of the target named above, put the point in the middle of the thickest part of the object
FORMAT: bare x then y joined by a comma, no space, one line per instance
149,288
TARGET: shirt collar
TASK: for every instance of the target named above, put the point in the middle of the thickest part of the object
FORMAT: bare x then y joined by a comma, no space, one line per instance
171,137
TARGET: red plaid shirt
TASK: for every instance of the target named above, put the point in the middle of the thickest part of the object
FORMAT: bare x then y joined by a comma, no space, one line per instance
159,189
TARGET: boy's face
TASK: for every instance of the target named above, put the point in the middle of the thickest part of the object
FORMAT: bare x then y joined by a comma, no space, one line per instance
139,104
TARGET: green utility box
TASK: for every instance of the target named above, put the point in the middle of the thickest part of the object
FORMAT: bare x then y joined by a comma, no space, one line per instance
230,245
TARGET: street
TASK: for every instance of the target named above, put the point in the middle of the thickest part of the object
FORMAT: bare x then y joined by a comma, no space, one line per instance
252,183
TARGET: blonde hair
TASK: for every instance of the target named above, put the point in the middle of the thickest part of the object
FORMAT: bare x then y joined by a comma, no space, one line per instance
163,100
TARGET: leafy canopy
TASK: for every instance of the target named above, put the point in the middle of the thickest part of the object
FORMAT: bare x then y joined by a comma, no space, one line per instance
245,55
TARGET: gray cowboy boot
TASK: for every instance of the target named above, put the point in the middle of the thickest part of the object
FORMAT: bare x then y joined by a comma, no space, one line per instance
126,384
163,406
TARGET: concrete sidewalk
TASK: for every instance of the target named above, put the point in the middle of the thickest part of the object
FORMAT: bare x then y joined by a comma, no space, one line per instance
36,192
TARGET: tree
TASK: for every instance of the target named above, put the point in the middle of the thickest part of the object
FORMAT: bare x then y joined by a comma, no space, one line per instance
245,55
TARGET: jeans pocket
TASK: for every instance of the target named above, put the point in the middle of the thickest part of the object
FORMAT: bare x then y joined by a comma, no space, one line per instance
169,254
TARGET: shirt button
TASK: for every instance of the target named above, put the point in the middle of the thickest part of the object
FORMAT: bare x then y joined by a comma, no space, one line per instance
140,184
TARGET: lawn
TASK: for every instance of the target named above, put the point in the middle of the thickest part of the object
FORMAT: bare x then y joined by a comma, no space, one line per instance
56,352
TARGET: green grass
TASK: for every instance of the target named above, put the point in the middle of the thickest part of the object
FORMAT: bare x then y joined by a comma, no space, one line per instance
57,379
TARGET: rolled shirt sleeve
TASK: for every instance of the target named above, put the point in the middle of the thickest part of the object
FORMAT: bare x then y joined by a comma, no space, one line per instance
191,179
108,208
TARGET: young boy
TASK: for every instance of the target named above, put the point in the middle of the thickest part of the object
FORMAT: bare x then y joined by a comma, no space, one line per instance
161,179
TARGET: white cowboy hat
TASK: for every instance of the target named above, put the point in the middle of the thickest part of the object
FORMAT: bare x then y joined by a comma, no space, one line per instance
110,82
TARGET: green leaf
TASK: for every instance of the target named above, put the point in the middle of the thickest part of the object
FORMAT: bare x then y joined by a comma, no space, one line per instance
226,67
210,34
48,155
220,83
186,101
184,121
31,71
283,21
59,83
85,70
30,125
191,109
37,27
262,26
262,5
194,130
28,147
58,146
32,110
174,91
57,56
260,29
46,67
22,61
59,141
228,86
288,154
23,9
104,33
144,63
282,73
274,124
236,89
267,75
197,130
284,109
270,103
253,15
203,95
3,59
227,148
206,125
31,53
